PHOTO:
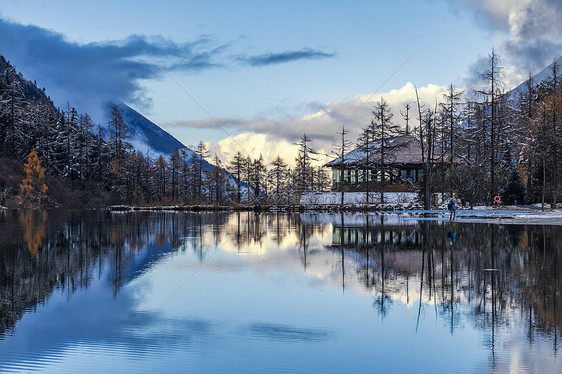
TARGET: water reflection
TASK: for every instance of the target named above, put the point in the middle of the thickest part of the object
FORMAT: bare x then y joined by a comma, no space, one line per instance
494,278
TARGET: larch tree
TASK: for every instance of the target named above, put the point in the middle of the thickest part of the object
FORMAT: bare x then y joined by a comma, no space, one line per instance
33,190
452,111
384,130
341,151
118,135
492,94
278,177
201,154
303,169
236,166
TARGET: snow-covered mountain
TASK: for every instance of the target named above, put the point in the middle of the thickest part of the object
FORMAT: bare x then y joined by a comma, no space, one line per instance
542,75
145,136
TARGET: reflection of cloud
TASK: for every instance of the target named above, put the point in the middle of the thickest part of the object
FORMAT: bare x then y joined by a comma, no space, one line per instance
289,334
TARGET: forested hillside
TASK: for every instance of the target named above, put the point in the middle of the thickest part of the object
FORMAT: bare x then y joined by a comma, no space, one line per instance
58,157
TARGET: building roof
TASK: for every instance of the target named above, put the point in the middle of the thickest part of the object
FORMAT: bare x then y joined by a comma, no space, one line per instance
402,150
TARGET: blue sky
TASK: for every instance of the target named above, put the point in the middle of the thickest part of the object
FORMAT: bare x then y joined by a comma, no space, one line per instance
236,74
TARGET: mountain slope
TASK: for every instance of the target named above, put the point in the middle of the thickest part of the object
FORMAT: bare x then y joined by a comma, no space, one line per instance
542,75
146,137
29,89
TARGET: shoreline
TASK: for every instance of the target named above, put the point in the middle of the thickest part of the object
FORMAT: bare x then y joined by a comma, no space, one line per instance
479,214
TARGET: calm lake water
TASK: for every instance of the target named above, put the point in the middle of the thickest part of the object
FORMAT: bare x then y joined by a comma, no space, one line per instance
149,292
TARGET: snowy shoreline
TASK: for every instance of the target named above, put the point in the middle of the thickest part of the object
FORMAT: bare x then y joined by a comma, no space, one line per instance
480,214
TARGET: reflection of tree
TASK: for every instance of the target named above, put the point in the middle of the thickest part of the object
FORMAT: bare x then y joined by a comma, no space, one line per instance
491,276
33,222
77,246
502,273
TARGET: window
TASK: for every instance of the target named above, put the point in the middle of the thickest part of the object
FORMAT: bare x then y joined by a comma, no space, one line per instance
336,177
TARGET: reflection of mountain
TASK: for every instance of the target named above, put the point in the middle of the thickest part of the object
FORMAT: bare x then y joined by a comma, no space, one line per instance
68,251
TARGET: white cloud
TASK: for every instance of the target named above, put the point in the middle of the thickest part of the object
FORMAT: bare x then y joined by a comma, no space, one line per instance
278,137
530,31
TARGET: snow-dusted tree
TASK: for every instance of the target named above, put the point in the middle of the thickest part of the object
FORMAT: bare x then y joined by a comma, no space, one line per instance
553,106
303,173
175,176
198,162
186,186
160,179
217,181
118,135
405,113
84,140
341,151
237,166
138,167
383,132
12,109
452,113
366,145
524,135
492,94
321,179
278,176
257,177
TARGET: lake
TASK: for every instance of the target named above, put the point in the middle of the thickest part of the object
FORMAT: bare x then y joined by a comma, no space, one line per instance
144,292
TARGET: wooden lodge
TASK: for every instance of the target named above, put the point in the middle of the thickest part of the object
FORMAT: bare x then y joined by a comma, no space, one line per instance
402,167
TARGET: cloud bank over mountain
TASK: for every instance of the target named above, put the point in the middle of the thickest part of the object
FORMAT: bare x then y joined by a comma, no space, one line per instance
528,32
89,74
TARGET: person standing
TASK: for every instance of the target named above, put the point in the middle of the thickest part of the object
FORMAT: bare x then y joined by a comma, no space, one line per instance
452,209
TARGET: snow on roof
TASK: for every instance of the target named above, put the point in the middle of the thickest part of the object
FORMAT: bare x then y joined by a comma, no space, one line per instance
404,149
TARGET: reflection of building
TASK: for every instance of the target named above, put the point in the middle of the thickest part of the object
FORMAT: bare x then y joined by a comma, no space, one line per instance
363,236
402,168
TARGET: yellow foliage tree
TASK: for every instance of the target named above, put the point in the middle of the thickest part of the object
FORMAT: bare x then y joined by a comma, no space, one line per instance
32,188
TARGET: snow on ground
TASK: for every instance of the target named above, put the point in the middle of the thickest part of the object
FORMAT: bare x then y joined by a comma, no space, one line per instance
357,198
405,207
